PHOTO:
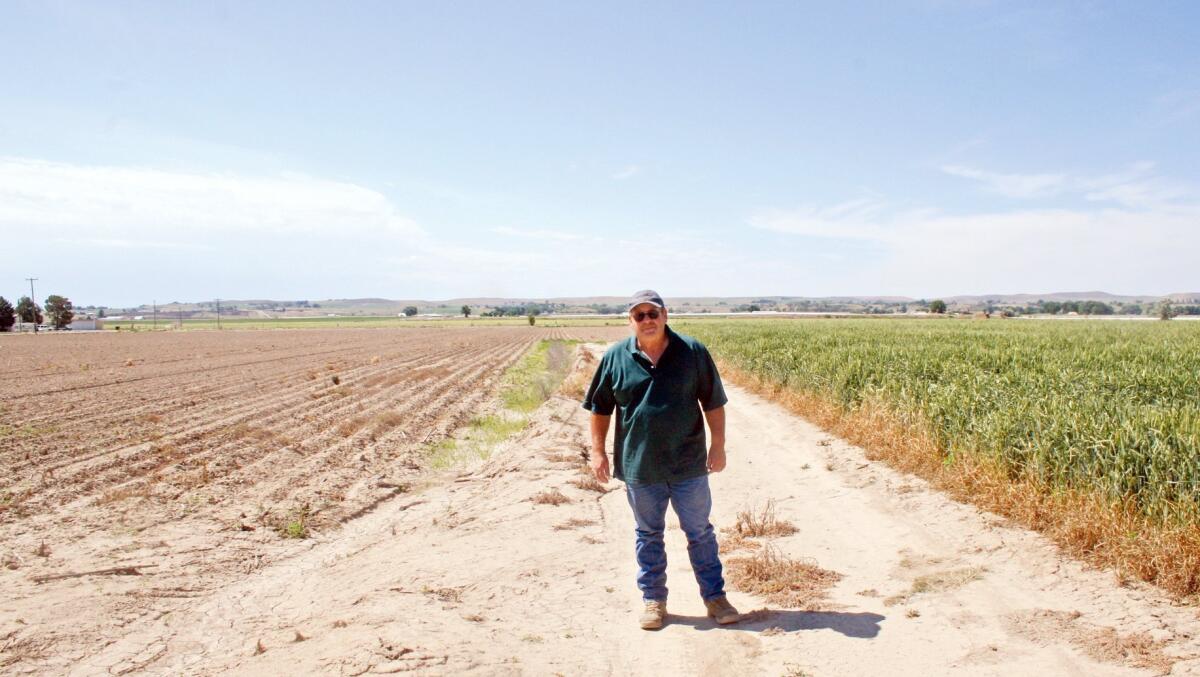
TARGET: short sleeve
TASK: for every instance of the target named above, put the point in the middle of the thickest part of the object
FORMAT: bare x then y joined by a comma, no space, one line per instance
599,398
710,392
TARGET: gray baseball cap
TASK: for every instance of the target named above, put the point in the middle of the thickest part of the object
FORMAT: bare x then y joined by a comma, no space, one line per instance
645,296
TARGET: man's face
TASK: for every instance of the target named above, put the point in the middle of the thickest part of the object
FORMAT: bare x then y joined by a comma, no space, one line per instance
648,321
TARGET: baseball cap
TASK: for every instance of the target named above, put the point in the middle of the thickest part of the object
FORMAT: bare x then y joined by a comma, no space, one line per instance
645,296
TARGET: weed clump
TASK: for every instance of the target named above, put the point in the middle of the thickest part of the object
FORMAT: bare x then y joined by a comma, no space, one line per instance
761,522
781,580
574,523
297,527
588,482
550,497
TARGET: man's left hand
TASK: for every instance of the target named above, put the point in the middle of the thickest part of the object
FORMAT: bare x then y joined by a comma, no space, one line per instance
716,458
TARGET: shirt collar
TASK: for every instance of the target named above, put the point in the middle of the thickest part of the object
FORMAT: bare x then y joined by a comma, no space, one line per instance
672,338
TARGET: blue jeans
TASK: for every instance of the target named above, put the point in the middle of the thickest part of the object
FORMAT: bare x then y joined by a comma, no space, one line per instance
692,502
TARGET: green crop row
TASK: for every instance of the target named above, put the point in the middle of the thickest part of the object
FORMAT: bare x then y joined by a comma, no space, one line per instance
1108,406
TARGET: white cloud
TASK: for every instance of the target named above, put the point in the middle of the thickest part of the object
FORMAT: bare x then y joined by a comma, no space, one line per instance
1140,236
628,173
1013,185
1136,187
537,234
854,219
127,244
1179,105
139,205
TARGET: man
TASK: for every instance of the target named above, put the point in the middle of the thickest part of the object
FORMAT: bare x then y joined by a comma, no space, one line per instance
659,382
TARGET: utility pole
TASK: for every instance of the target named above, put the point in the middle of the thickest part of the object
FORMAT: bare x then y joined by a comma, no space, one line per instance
218,313
33,300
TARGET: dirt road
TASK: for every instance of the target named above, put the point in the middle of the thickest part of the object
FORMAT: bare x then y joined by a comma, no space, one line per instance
481,573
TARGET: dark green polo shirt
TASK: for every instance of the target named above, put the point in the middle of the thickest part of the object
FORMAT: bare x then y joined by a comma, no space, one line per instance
660,427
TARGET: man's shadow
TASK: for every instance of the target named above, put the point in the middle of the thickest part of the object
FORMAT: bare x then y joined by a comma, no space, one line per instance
860,625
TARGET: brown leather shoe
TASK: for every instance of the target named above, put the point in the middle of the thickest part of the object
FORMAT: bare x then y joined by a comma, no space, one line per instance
653,615
720,609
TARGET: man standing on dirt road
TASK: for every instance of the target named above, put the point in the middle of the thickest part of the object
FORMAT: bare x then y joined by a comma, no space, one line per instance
659,382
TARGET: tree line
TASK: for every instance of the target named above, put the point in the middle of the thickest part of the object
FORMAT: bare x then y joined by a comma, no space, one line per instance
58,309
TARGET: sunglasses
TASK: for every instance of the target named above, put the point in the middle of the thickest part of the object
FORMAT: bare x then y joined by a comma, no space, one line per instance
652,314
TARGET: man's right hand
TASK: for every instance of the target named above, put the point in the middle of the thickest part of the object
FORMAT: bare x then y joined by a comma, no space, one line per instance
599,466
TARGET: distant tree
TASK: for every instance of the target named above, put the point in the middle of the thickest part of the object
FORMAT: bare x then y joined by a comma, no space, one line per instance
1131,309
29,311
60,310
8,316
1095,308
100,313
1051,307
754,308
1165,311
409,311
937,306
466,311
532,319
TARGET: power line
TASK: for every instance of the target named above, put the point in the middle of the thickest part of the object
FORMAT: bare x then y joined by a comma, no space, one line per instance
33,302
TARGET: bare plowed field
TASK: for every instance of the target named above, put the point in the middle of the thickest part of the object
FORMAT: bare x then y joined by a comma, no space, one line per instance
192,453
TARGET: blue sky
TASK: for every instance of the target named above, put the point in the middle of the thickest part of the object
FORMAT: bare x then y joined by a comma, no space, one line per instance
299,150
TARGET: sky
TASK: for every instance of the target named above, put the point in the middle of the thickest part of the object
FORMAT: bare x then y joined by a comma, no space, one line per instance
299,150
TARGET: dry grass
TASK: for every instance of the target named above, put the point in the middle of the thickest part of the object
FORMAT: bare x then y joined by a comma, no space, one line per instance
754,522
124,494
1102,643
1085,524
386,421
574,523
588,482
576,383
352,425
565,457
781,580
947,580
550,497
444,594
247,431
939,581
736,541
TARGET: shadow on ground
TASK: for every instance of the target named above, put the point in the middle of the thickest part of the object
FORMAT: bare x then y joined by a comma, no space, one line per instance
858,625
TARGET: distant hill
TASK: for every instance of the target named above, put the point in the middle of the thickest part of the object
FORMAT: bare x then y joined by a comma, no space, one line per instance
1053,296
381,306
